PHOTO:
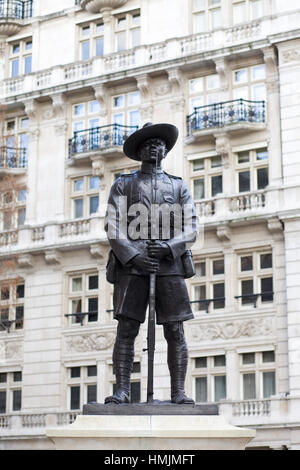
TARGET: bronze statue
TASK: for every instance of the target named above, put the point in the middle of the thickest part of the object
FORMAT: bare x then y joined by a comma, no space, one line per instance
158,262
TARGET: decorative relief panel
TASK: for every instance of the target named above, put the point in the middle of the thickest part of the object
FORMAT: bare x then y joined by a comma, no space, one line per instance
89,342
232,329
10,350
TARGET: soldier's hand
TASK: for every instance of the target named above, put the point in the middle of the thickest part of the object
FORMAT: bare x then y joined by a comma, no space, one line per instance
145,263
158,250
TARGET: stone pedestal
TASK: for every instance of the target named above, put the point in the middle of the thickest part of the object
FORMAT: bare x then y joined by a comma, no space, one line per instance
193,431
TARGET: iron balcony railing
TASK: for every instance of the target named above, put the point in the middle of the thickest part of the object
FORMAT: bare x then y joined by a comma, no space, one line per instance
226,113
11,157
16,9
99,138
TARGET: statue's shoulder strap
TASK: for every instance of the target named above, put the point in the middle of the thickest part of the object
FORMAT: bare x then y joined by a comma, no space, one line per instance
173,176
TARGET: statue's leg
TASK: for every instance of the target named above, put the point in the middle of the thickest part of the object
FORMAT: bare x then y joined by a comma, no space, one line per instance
123,356
177,361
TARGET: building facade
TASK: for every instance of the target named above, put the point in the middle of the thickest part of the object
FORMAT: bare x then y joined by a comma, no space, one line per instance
77,77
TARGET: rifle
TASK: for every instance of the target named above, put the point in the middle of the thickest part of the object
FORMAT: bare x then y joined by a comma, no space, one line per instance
151,319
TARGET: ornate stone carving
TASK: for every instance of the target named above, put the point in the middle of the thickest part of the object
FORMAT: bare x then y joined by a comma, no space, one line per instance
275,226
9,26
223,147
290,55
13,350
58,103
146,112
96,6
89,342
52,257
163,89
30,108
97,251
175,79
101,96
144,85
61,128
224,232
25,261
232,329
98,167
34,134
222,71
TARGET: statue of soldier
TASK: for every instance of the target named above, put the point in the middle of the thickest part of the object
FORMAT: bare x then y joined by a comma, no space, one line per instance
132,260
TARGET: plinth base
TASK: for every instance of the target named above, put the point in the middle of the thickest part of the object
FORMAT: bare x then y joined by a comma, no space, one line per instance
150,432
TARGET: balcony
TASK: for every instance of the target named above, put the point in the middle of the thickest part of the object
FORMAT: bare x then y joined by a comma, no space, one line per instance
98,141
230,116
12,14
13,160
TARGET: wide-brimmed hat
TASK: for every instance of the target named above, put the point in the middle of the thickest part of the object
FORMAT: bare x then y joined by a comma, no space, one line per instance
167,132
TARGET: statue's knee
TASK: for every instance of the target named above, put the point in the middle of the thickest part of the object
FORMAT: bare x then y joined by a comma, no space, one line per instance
128,329
174,331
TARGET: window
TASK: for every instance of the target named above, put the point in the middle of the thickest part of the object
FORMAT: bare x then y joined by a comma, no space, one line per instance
20,57
246,10
16,143
135,385
207,177
204,91
125,109
208,286
10,392
258,379
125,171
91,40
82,386
209,375
255,279
127,31
86,115
83,298
12,296
85,196
249,83
207,15
252,168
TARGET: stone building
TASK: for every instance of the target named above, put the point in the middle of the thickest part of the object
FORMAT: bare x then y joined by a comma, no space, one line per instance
76,79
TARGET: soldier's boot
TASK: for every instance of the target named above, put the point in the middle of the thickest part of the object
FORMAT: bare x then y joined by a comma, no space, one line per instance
123,357
177,362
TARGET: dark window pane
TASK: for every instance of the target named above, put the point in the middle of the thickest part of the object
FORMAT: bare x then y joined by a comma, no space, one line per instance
93,309
20,291
268,356
219,361
200,269
218,266
268,384
244,181
94,204
201,362
267,287
248,358
262,154
5,293
135,392
136,367
91,393
75,372
17,376
19,317
75,398
92,371
2,402
216,185
262,178
247,290
201,389
199,191
246,263
219,292
243,157
17,400
3,377
93,282
266,261
200,294
249,386
220,387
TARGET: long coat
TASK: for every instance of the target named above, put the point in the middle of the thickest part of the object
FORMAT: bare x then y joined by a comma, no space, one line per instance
139,188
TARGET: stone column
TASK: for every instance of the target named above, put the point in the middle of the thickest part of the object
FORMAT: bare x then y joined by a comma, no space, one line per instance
232,375
109,39
273,116
177,105
31,110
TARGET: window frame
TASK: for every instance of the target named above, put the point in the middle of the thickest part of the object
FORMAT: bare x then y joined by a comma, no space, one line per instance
21,56
207,10
127,29
86,194
9,387
257,368
209,281
210,372
84,295
253,165
82,382
12,303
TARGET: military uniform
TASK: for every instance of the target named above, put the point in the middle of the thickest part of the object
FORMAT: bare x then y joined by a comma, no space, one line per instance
131,291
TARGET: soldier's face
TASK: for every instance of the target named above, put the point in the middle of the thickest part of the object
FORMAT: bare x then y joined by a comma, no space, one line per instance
152,150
